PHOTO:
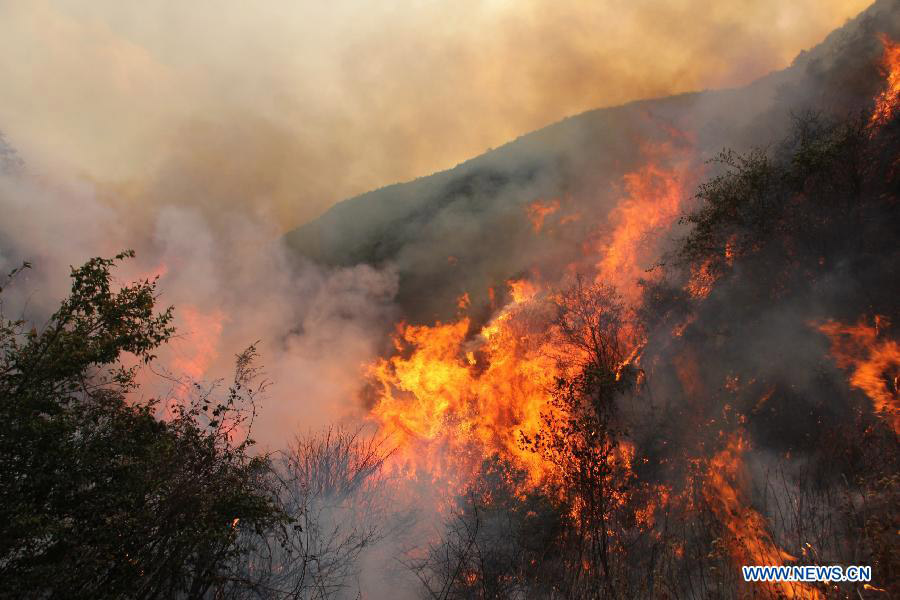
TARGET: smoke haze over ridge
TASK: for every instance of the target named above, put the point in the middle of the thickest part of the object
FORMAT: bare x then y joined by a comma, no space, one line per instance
283,109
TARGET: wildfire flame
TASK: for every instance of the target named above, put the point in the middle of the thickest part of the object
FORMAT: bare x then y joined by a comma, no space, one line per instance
200,349
538,211
887,100
702,280
750,542
443,392
873,362
452,396
653,201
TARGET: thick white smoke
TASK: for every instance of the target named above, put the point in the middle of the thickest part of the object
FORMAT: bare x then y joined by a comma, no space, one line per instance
230,286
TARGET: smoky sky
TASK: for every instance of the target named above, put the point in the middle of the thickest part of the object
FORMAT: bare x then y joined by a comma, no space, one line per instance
282,108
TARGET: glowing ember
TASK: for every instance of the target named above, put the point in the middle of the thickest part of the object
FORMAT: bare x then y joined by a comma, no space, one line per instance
702,280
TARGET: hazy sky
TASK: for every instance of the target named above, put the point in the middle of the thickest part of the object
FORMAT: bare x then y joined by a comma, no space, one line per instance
288,106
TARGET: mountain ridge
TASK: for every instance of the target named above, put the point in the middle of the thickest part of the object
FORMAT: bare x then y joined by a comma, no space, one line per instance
466,229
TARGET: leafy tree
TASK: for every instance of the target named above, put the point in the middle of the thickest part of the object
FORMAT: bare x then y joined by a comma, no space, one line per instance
100,498
824,197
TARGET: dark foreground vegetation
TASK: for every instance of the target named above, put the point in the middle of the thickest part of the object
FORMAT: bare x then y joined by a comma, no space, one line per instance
106,494
100,497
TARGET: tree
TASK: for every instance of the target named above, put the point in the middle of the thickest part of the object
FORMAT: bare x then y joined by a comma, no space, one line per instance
100,498
501,540
825,196
580,436
332,487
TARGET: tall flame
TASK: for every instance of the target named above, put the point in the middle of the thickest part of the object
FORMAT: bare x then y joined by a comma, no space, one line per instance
442,393
453,395
653,201
750,542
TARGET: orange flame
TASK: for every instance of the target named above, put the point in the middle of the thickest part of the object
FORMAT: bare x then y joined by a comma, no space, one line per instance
538,211
874,363
521,290
193,354
654,196
203,331
442,392
750,543
463,302
451,396
887,100
702,280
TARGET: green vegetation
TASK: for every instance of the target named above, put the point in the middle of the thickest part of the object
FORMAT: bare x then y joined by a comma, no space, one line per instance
99,497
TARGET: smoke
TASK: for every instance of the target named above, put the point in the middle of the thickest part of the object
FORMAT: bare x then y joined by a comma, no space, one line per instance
291,106
231,286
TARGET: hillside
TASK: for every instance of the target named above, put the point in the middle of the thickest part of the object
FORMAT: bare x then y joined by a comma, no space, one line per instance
467,229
